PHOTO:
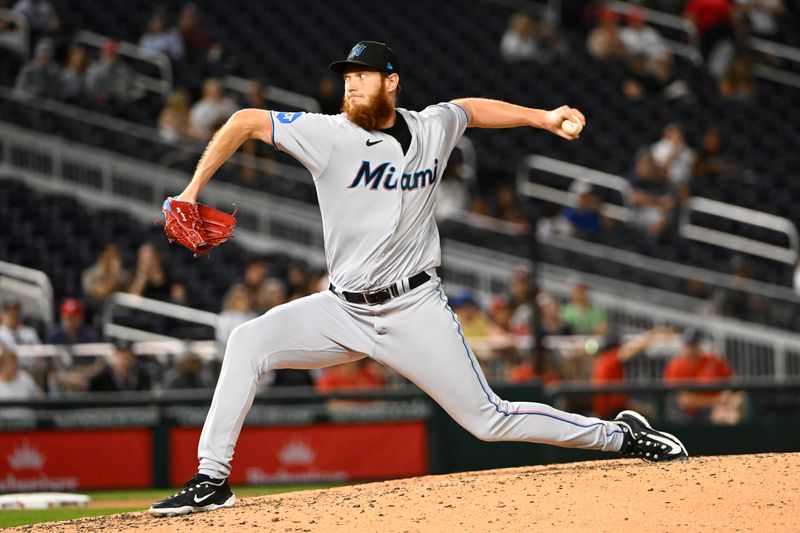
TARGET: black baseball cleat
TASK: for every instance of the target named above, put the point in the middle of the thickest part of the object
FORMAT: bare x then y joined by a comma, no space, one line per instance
201,493
646,443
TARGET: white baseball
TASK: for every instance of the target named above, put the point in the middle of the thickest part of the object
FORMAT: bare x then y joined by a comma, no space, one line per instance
571,127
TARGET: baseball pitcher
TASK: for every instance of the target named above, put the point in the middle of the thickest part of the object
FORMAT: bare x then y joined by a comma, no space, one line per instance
377,169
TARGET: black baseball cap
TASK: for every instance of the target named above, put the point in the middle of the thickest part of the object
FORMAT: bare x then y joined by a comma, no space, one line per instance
370,54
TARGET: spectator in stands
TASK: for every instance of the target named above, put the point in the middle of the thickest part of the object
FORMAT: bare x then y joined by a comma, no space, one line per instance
74,86
105,276
236,310
507,202
173,121
189,372
550,315
214,108
329,96
13,332
256,272
196,39
584,215
653,196
714,164
694,364
580,315
110,80
16,384
549,44
42,17
643,40
605,40
72,329
714,22
519,40
40,76
653,78
674,159
299,280
475,325
524,370
11,35
737,301
151,278
761,17
254,97
272,293
738,84
122,373
158,38
364,374
608,367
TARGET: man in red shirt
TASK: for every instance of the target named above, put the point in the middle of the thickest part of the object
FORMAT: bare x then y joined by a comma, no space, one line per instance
608,367
695,365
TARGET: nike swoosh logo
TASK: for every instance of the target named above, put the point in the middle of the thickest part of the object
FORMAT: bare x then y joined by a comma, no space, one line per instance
207,496
373,143
674,447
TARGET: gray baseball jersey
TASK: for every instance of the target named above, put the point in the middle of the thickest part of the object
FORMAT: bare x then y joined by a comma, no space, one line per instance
377,203
377,210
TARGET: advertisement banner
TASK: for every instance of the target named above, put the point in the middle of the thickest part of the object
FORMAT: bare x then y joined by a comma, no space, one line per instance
317,453
54,460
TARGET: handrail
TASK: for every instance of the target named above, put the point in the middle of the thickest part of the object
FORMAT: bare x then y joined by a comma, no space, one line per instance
25,32
140,303
273,94
775,49
735,242
690,49
18,279
161,85
149,134
204,349
575,172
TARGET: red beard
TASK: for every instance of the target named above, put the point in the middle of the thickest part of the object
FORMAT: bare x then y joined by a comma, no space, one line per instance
369,116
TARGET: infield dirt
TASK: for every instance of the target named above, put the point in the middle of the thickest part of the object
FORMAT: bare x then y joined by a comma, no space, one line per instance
729,493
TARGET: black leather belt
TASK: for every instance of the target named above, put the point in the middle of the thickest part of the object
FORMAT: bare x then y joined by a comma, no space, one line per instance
382,295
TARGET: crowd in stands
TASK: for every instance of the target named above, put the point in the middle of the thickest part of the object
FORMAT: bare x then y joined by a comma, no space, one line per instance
496,330
663,173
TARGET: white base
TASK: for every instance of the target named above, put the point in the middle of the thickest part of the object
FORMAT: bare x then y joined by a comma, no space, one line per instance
43,500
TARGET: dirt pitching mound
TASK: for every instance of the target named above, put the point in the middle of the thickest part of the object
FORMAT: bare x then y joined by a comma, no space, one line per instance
730,493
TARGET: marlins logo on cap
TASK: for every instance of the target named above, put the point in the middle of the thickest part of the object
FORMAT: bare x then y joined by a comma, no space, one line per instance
369,55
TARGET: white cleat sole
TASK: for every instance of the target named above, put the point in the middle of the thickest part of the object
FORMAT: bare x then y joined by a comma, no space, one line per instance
189,509
644,421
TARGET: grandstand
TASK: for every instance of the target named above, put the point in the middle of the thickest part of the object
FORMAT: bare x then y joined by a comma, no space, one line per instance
78,173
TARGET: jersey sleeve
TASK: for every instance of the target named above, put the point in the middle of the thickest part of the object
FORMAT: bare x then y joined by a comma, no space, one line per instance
453,120
308,137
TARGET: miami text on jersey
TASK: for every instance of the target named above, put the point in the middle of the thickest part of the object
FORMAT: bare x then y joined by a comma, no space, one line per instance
408,182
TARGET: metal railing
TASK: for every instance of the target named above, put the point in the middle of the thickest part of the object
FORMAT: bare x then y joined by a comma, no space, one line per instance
273,94
121,300
31,286
688,45
574,172
23,45
275,224
734,242
160,60
771,72
147,133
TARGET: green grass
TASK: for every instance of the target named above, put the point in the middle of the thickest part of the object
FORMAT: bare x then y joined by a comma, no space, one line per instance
14,517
